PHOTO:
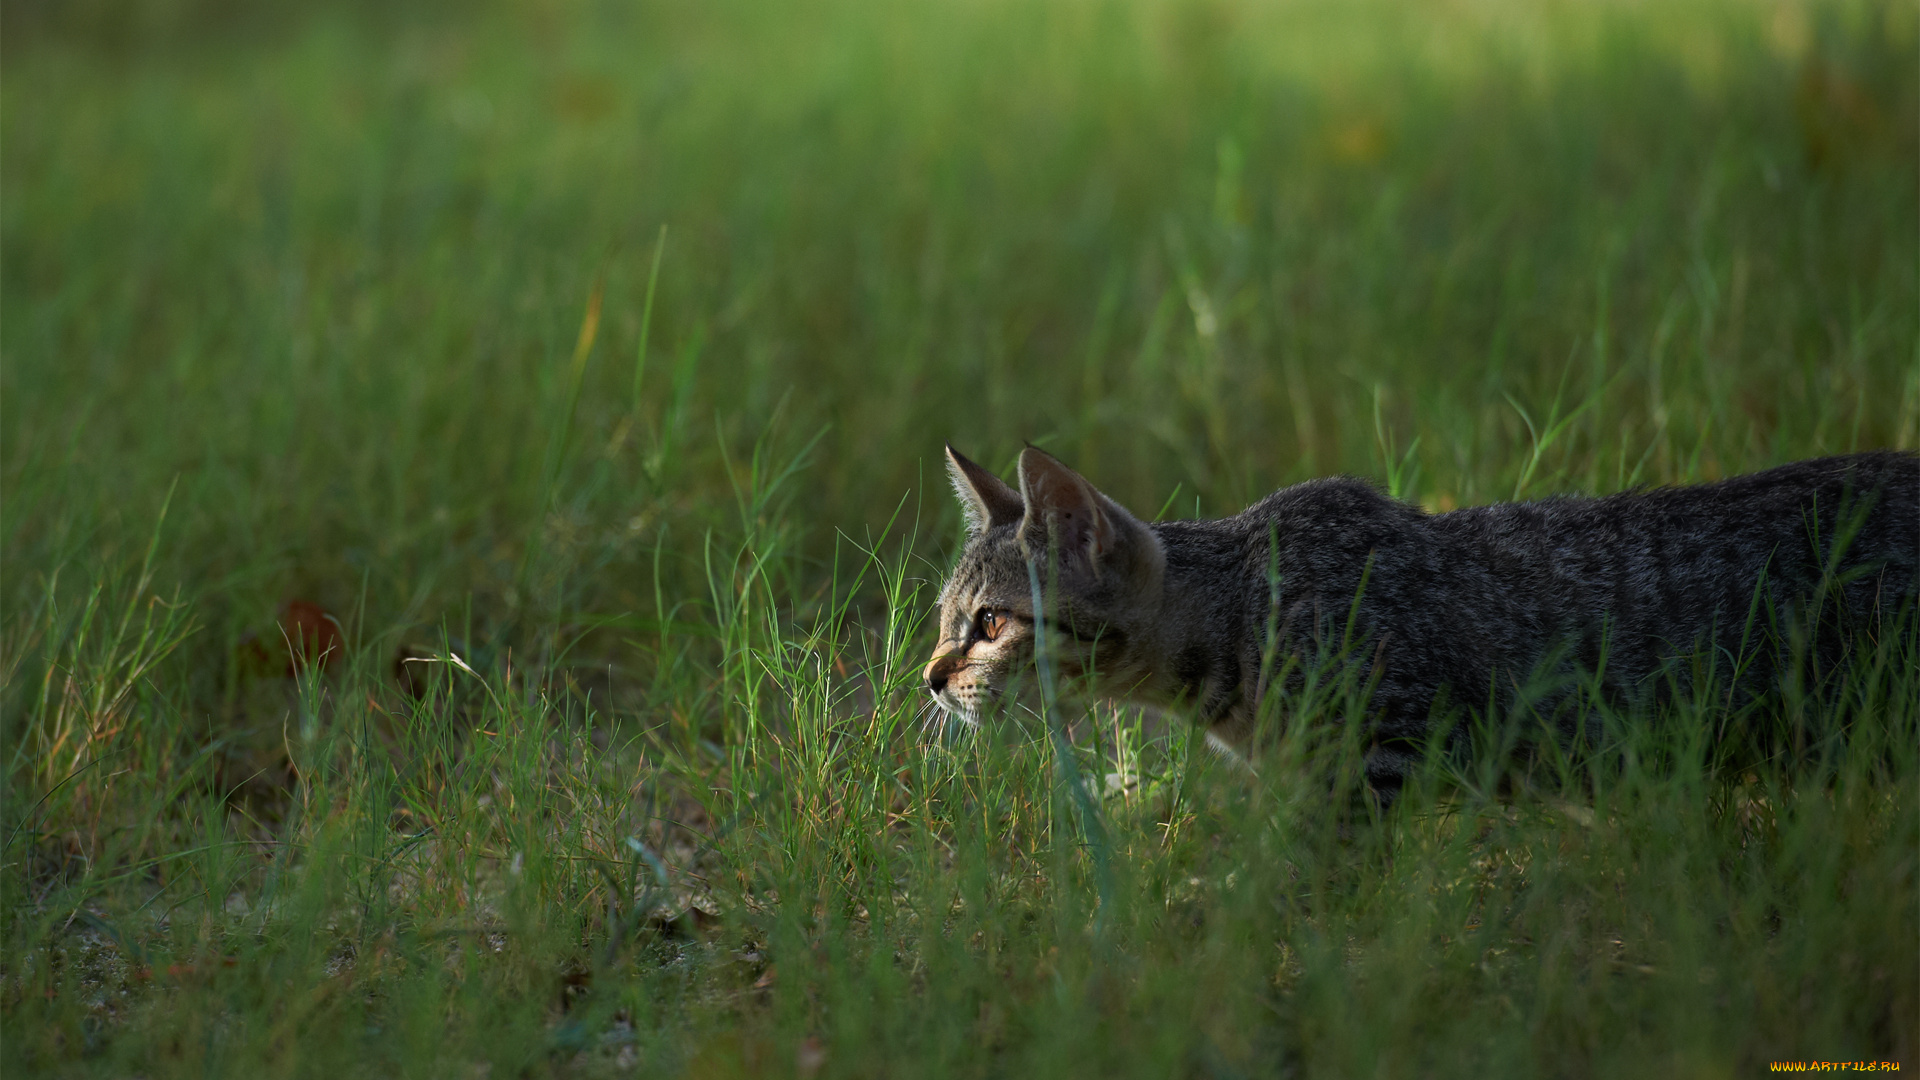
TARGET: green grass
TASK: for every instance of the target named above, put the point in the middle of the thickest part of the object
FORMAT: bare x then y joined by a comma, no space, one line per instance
357,308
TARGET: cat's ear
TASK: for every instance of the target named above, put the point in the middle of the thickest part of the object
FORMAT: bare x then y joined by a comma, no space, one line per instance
1090,532
985,498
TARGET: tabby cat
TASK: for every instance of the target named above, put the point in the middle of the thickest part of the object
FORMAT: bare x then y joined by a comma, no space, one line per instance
1445,612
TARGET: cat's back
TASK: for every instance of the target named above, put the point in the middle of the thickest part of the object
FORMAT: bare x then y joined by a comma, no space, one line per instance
1667,566
1879,486
1340,511
1788,517
1871,501
1876,493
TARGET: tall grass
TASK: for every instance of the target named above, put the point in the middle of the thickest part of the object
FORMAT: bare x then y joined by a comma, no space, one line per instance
471,504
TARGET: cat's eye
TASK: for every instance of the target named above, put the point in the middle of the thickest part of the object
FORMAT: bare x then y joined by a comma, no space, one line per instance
990,623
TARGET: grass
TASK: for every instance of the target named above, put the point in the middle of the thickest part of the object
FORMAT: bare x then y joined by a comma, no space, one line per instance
574,376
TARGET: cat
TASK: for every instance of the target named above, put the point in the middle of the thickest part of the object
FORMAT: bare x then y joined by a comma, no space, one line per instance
1444,611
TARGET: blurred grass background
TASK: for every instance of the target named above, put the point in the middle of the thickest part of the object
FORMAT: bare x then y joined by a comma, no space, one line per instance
365,287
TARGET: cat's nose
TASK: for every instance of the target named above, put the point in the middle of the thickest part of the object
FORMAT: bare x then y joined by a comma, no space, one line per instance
938,672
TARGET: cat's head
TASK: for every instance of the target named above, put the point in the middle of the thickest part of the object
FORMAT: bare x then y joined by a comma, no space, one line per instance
1099,571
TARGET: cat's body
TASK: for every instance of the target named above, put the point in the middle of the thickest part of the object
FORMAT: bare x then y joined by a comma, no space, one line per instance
1458,610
